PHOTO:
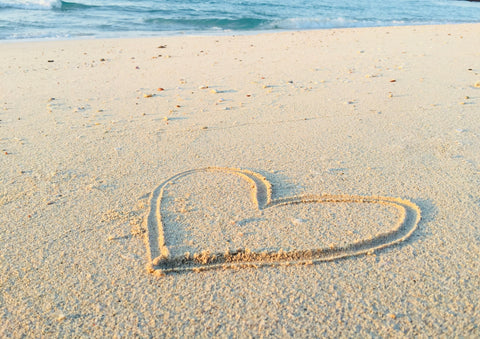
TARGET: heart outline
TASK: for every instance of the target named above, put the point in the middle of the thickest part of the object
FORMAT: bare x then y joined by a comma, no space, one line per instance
160,262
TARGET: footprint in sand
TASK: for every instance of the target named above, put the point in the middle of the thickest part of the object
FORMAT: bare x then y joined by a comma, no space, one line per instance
227,218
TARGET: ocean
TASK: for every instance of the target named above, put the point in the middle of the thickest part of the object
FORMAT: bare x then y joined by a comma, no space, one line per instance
55,19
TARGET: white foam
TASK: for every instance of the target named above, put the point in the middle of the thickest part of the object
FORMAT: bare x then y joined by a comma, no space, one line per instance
31,4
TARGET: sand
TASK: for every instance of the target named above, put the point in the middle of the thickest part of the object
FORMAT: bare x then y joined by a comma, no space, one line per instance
363,143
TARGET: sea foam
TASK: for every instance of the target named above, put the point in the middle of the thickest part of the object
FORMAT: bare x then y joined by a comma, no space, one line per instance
32,4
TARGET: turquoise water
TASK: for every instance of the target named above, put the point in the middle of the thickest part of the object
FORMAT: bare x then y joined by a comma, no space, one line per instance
55,19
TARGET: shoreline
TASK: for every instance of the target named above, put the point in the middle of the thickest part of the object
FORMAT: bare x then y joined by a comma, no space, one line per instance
90,129
200,34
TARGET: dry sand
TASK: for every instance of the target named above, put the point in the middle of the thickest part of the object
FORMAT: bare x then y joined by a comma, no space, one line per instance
89,131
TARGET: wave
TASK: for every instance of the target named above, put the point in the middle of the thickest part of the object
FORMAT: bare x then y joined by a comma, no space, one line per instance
338,22
261,24
32,4
166,24
74,5
43,5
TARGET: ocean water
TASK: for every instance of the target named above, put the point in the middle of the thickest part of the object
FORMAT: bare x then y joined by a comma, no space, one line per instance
55,19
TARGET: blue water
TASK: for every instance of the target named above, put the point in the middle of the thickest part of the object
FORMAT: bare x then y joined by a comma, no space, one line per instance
55,19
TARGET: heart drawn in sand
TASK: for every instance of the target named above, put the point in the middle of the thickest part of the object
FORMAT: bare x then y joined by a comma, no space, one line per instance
160,241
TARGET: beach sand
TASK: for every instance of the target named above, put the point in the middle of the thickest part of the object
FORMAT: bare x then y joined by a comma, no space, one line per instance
97,138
